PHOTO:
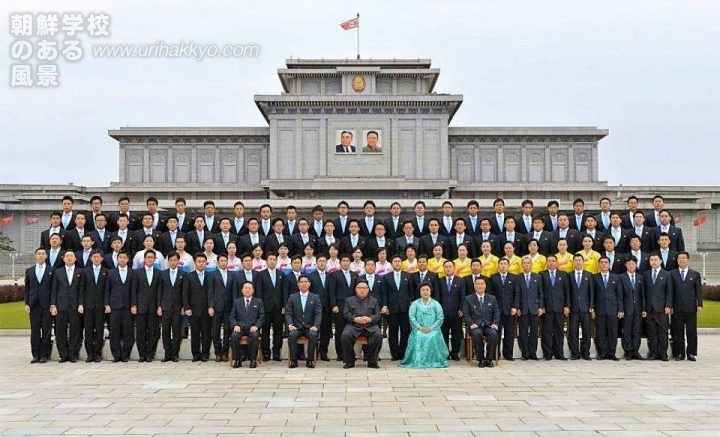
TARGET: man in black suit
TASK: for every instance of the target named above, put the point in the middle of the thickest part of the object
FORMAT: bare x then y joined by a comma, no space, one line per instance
126,235
362,317
551,219
652,219
302,238
457,240
620,235
687,304
547,244
265,222
484,235
96,203
353,240
504,288
482,317
572,236
224,237
73,237
628,217
276,238
66,220
497,219
342,221
144,306
319,285
246,318
64,305
472,221
211,223
677,241
117,304
608,309
342,285
603,217
577,219
617,259
581,309
420,221
82,256
133,220
55,252
247,274
668,257
185,223
422,276
291,221
92,305
225,288
159,220
531,308
146,230
393,224
272,287
195,239
166,242
397,294
170,305
518,240
379,240
55,228
38,290
633,304
428,241
446,223
251,237
642,257
346,143
100,235
452,293
367,223
197,286
303,315
646,234
556,287
658,306
524,222
238,222
590,231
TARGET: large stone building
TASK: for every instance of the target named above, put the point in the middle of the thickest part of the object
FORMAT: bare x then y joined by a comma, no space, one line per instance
294,158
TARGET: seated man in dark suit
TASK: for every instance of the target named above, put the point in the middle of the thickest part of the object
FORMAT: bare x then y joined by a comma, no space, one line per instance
246,318
482,316
303,315
362,317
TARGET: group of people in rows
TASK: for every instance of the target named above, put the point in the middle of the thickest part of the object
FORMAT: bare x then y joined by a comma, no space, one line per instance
498,276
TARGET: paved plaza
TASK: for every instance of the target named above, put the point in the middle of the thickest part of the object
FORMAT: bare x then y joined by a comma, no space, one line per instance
521,398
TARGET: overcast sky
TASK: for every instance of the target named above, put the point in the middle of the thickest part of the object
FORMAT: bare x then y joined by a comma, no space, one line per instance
649,73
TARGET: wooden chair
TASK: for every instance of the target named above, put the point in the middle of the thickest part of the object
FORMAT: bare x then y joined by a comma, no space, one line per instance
244,341
470,350
302,340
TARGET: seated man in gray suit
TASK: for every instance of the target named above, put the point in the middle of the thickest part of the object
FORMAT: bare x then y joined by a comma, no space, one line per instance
303,315
246,318
362,316
482,316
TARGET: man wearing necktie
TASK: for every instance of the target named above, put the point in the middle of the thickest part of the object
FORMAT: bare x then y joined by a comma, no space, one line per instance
633,305
55,255
557,305
608,306
395,304
341,286
530,309
504,285
658,306
38,290
303,315
196,290
272,286
246,318
170,307
687,304
117,304
219,306
482,318
92,301
346,142
452,292
319,285
64,305
144,304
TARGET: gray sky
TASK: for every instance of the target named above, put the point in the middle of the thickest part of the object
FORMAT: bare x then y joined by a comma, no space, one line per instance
650,73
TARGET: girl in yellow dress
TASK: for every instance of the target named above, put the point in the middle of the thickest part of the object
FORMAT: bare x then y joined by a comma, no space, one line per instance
564,258
462,263
409,265
488,260
591,257
515,261
435,264
539,263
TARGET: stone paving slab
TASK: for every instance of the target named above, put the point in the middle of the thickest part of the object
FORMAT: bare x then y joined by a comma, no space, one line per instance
517,398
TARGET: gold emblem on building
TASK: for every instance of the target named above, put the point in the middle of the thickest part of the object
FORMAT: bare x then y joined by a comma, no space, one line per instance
358,83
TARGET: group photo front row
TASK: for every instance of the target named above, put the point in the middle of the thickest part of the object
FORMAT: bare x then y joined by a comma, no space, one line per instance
429,285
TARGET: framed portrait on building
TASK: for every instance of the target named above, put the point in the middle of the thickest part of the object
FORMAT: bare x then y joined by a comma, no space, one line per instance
372,141
345,141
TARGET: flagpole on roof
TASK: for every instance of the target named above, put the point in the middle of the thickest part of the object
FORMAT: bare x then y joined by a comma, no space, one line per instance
358,36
